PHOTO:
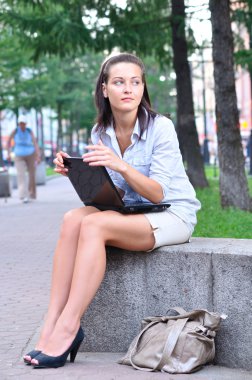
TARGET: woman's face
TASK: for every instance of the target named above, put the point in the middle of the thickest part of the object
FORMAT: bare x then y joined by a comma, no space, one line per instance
124,87
22,125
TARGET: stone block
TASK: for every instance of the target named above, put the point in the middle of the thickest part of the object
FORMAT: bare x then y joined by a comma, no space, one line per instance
232,293
5,190
207,273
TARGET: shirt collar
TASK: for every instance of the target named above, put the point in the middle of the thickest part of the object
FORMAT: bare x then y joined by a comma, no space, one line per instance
136,131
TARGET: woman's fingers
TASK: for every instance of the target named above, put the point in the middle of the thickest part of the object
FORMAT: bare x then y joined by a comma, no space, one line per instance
59,158
101,155
98,147
59,163
97,150
61,171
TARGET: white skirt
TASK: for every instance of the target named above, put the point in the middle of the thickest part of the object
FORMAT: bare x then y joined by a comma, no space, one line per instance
168,228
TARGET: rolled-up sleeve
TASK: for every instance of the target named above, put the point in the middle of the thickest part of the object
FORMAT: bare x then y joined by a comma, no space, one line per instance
166,157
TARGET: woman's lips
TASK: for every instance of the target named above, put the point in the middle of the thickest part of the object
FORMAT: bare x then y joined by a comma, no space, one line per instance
126,99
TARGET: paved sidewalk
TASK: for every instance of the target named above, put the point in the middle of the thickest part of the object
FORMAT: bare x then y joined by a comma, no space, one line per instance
28,236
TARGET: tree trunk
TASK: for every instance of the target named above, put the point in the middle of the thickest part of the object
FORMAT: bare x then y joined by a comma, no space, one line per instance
1,146
233,182
186,127
42,135
37,126
250,75
60,131
250,137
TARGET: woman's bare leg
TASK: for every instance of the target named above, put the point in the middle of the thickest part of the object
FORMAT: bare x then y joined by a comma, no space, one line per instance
131,232
63,267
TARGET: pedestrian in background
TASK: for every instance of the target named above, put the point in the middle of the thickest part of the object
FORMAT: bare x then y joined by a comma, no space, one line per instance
27,154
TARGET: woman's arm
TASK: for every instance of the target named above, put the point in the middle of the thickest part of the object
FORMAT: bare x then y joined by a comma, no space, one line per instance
143,185
9,144
37,150
100,155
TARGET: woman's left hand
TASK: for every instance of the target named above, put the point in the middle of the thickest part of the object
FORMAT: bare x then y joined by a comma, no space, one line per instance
101,155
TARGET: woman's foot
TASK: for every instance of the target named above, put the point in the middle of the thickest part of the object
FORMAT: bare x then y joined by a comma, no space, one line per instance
46,360
61,338
31,355
43,339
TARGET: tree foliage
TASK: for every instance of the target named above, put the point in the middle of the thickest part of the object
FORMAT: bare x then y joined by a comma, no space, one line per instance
242,16
69,29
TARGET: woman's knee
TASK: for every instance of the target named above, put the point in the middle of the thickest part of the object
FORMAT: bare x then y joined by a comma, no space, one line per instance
93,225
71,222
72,219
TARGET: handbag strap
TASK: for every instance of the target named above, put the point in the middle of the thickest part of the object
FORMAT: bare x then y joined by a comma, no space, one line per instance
170,344
135,347
179,310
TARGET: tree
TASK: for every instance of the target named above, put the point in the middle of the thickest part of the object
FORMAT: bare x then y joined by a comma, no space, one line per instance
57,27
12,59
243,15
233,183
186,125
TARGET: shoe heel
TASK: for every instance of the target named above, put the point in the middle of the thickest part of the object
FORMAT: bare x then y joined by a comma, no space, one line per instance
74,351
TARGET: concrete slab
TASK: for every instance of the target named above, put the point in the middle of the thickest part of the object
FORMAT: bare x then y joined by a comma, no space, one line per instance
103,366
137,285
232,293
5,190
213,274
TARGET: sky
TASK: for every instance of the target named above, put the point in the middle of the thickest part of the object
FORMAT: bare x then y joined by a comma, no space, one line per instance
200,17
200,21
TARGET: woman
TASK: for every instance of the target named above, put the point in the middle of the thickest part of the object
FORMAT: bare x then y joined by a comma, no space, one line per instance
140,149
26,155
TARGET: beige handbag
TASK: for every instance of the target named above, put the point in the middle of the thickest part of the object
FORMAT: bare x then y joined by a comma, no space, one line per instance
180,343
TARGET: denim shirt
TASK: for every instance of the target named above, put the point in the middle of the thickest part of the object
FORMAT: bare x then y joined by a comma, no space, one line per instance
157,156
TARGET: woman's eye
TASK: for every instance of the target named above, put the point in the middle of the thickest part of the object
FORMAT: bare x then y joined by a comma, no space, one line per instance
118,82
136,83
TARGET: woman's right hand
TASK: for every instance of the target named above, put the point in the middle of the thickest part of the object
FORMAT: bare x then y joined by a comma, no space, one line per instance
59,165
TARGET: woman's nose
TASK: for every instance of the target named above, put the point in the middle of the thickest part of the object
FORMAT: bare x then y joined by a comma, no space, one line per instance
127,87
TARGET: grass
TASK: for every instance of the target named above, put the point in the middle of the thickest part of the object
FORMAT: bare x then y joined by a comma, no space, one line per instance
213,221
50,171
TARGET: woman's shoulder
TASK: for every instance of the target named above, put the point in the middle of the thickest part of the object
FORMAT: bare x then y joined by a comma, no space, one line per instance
164,121
163,126
95,134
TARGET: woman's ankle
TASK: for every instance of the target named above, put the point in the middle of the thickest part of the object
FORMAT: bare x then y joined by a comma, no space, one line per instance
70,326
46,332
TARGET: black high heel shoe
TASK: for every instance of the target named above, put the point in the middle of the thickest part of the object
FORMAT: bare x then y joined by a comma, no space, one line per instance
46,361
32,355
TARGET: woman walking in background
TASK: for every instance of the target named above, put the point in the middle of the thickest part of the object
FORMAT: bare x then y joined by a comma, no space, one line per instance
140,149
27,154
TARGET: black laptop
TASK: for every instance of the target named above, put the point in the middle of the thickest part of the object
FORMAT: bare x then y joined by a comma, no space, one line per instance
95,188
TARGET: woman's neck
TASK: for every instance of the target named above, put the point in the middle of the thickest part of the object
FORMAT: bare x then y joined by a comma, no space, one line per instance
124,123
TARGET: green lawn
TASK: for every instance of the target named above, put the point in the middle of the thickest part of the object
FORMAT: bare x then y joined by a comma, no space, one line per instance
50,171
213,221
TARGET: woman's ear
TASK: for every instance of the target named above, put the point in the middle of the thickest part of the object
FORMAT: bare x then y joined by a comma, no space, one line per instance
104,90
